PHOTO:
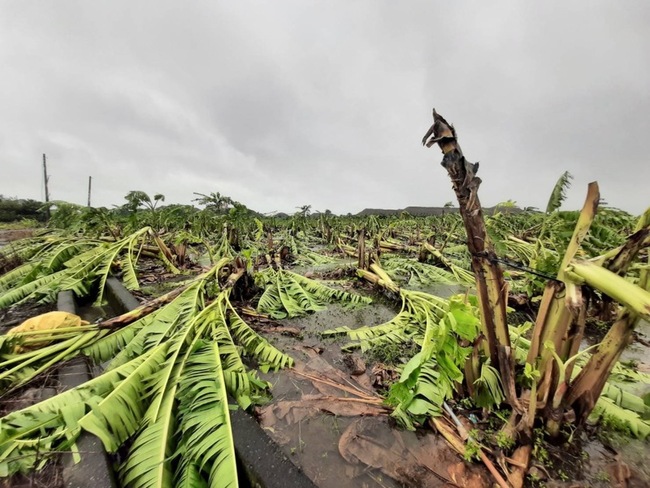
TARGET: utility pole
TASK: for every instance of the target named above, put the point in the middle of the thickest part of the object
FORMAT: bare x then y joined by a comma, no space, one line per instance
47,192
90,182
45,179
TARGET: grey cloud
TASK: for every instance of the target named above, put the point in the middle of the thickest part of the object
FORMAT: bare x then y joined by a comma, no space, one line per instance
280,104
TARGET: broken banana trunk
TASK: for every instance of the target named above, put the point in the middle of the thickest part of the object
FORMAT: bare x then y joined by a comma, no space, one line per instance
589,383
490,284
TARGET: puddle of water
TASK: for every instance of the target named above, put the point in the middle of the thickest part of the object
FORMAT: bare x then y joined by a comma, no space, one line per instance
346,262
600,461
94,314
335,316
440,290
312,442
637,352
350,450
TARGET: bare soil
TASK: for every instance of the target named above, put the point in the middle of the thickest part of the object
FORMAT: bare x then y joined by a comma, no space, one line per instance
8,235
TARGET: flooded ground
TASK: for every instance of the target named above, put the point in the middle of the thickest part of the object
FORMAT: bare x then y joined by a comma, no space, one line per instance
305,432
328,419
639,353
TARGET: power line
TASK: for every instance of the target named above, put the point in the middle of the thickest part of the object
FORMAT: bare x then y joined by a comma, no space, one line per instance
523,268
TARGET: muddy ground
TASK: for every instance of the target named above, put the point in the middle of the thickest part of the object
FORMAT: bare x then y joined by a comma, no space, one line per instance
8,235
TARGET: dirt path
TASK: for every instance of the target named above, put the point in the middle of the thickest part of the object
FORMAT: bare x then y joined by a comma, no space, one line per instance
8,235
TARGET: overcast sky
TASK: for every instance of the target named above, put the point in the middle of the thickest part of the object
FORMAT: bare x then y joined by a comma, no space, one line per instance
279,104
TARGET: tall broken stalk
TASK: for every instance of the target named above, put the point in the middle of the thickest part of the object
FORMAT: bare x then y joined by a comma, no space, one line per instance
490,285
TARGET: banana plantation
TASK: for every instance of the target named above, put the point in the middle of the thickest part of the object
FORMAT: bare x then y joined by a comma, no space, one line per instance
493,345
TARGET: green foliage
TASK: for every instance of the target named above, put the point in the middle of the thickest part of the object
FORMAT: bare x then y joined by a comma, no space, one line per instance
504,441
24,223
620,419
27,436
289,295
164,392
182,359
78,265
215,202
136,199
414,272
559,192
301,252
17,209
489,390
64,215
472,449
391,353
118,415
540,453
207,444
438,327
458,266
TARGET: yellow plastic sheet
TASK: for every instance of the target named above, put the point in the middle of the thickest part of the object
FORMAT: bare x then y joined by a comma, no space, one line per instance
49,321
43,322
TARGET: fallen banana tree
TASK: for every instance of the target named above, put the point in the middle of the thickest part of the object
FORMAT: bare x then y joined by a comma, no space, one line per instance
289,295
444,331
170,366
78,265
164,391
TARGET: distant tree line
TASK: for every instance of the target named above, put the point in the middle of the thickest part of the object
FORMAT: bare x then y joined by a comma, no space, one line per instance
16,209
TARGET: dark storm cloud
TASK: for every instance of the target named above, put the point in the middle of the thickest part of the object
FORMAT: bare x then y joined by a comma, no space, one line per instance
280,104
